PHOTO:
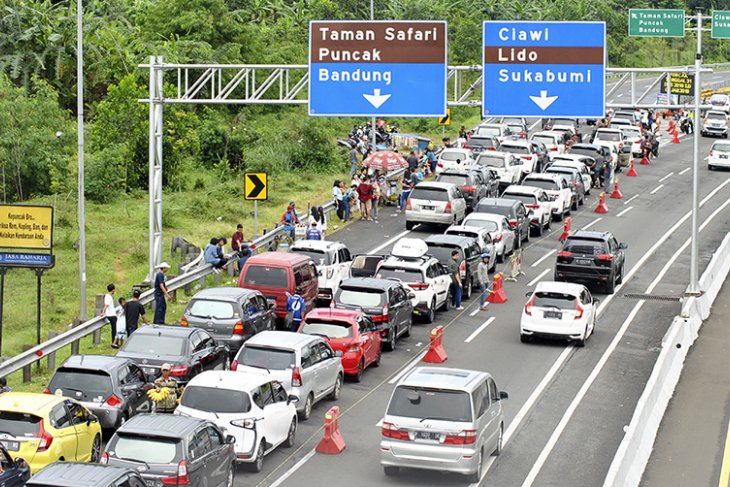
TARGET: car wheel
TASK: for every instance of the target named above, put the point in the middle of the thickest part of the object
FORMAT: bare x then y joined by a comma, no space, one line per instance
500,440
447,302
611,284
574,205
620,278
360,368
467,290
558,217
307,411
379,357
524,338
409,225
291,435
258,464
547,225
337,390
538,230
582,342
474,477
229,476
96,449
710,167
431,311
581,201
391,471
390,344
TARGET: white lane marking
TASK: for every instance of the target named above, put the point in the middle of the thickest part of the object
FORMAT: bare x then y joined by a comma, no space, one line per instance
542,274
653,191
537,262
684,171
408,367
631,199
473,313
666,177
534,124
626,211
592,223
479,330
619,95
392,240
293,468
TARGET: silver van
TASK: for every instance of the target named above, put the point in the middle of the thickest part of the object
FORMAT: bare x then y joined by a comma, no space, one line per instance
442,419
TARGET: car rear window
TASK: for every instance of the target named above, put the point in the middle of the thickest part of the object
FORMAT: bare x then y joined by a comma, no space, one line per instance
320,257
259,275
457,179
481,142
433,194
214,400
545,139
443,252
722,147
514,149
541,183
359,296
554,300
405,275
453,156
327,329
496,209
145,449
587,247
609,136
494,131
19,424
489,225
85,385
525,198
491,160
205,308
584,152
266,357
435,404
154,344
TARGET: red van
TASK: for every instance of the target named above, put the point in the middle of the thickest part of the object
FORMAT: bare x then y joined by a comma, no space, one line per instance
276,273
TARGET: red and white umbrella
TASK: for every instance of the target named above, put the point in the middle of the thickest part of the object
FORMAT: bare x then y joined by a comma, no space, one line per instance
385,161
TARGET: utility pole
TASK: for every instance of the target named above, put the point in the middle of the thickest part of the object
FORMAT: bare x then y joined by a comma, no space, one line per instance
373,121
80,136
694,285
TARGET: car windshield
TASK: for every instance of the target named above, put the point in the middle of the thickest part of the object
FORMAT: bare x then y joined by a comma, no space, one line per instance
554,300
214,400
267,357
716,116
541,183
405,275
491,160
329,329
363,297
320,257
525,198
260,275
514,149
609,136
85,385
436,404
482,130
586,247
441,252
719,99
432,194
151,344
204,308
453,156
145,449
19,424
489,225
545,139
457,179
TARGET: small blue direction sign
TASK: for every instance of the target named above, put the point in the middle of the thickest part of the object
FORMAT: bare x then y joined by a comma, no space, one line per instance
17,259
544,69
377,68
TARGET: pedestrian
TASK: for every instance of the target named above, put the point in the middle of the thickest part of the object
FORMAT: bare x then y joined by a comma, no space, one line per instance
376,195
121,322
213,253
161,294
412,161
365,194
317,215
337,197
431,158
133,311
314,233
295,307
109,312
608,176
483,275
405,190
353,161
290,220
168,401
240,247
349,201
4,386
456,284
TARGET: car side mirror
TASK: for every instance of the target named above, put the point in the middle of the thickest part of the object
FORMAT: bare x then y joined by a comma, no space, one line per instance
92,419
271,303
292,399
528,294
128,389
596,301
298,290
503,395
20,463
623,246
411,295
230,439
338,353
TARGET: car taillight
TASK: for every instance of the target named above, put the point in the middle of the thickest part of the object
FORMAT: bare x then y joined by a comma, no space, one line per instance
179,370
448,207
466,437
408,204
462,269
234,365
526,157
181,478
46,391
184,321
296,377
381,317
534,207
565,253
513,223
468,189
578,311
553,149
491,148
575,183
238,328
390,431
528,306
420,286
440,164
113,401
104,458
354,348
497,238
607,257
45,436
466,146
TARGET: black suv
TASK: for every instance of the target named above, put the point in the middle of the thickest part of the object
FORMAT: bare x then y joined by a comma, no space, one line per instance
441,246
591,257
70,474
471,186
386,301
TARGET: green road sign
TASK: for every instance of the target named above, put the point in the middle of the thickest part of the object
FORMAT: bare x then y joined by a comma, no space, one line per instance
720,24
656,23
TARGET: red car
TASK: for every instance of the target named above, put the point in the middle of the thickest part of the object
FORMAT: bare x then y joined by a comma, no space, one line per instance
349,331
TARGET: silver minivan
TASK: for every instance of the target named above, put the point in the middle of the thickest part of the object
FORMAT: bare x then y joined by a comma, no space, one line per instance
434,202
442,419
305,365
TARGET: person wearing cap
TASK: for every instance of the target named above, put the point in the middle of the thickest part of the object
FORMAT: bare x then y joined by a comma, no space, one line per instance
290,220
483,277
133,312
314,233
169,402
161,294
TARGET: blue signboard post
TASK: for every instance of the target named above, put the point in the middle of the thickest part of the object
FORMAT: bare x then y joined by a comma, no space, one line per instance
544,69
377,68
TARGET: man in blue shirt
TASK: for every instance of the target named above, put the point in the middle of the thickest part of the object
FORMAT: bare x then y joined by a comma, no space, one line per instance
295,307
314,233
161,293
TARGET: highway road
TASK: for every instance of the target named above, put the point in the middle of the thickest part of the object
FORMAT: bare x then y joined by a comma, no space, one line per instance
567,406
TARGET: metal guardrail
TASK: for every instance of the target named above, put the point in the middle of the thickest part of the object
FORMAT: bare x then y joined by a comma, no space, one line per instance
192,272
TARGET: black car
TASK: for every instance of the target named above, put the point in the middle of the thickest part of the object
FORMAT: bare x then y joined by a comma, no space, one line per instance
441,246
173,450
517,214
113,388
481,143
190,351
72,474
591,258
386,301
16,472
469,184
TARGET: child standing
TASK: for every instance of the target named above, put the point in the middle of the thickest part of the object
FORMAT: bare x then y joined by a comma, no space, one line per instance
121,322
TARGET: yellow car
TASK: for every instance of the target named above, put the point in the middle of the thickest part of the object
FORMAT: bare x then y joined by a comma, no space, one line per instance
43,428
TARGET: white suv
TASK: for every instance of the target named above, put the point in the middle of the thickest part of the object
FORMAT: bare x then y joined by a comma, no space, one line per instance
524,150
557,187
425,275
508,166
333,262
537,200
453,158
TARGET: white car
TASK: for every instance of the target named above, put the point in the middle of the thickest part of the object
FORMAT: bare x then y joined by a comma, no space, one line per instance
429,280
454,159
535,199
333,261
632,135
719,156
508,166
715,123
503,235
612,136
434,202
253,408
554,141
559,309
557,188
483,238
499,130
524,150
579,162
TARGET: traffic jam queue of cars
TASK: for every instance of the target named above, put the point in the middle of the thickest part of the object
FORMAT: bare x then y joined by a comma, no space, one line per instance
238,373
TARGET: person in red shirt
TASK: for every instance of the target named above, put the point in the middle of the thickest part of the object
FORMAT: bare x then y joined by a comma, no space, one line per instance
240,247
365,195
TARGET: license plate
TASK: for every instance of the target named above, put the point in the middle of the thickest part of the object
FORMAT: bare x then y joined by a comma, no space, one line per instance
430,208
557,315
723,156
427,435
583,261
10,445
150,483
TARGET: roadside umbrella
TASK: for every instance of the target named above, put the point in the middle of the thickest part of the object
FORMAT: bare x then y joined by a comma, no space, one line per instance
385,161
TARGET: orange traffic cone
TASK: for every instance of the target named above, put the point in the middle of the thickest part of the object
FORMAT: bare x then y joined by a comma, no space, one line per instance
645,160
616,192
566,229
675,140
632,171
601,208
498,295
332,443
436,353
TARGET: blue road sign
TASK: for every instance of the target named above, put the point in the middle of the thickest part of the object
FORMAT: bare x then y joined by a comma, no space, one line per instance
17,259
544,69
377,68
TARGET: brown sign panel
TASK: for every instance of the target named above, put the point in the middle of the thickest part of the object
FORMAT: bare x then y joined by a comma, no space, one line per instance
543,55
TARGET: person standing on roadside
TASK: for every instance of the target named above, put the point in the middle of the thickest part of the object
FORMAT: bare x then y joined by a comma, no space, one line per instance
133,312
110,313
365,194
412,161
121,322
405,190
161,294
431,158
456,284
239,247
376,194
483,275
337,196
353,161
314,233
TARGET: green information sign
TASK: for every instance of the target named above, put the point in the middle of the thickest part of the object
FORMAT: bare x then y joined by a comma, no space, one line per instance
720,24
656,23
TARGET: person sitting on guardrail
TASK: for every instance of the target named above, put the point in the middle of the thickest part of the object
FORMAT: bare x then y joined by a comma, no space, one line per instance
4,386
213,254
290,220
